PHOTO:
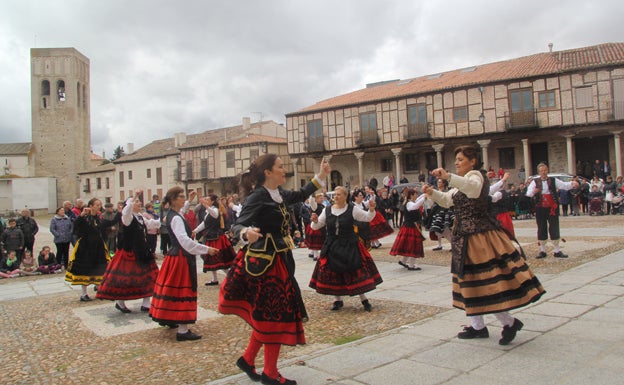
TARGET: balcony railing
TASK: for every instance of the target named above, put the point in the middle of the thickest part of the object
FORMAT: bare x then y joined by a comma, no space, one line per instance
316,144
367,138
522,119
417,131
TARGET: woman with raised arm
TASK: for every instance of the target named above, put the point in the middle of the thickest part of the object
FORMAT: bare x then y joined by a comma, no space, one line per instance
489,274
345,266
214,226
174,302
261,287
89,257
409,240
132,272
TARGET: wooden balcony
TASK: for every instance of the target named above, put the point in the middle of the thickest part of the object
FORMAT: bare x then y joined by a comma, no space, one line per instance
522,119
417,131
367,138
316,144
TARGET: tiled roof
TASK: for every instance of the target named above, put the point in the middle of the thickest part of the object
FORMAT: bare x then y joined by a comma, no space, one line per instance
15,148
100,168
540,64
218,135
253,138
95,156
157,149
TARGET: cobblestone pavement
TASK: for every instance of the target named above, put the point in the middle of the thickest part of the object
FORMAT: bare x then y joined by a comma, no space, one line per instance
52,338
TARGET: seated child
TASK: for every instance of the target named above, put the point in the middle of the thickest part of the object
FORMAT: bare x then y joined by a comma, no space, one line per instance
9,266
47,262
29,265
298,239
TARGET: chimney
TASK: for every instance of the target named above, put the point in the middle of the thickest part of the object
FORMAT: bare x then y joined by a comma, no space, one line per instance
130,148
104,154
550,47
179,139
246,123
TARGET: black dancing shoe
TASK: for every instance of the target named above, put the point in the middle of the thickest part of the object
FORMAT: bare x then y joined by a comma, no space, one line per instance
250,370
212,283
560,254
85,298
470,333
414,268
541,255
402,263
266,380
509,332
367,305
188,336
337,305
122,309
437,248
170,326
145,308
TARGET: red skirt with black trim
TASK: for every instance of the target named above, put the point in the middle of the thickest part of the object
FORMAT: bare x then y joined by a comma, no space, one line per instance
360,281
223,259
408,243
314,239
174,300
505,221
379,227
270,303
126,279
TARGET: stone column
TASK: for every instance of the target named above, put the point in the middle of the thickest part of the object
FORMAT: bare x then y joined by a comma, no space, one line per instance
618,154
484,152
360,160
527,157
438,149
397,164
569,154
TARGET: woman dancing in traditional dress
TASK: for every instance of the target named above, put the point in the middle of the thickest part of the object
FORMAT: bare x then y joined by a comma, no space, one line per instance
89,257
314,239
345,266
174,302
214,224
261,287
409,240
379,226
489,274
440,220
132,272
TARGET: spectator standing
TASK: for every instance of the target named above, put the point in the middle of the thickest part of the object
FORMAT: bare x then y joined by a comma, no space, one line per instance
13,239
29,228
155,204
62,227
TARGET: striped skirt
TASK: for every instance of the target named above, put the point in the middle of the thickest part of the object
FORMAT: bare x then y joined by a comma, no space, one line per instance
223,259
125,278
496,277
408,243
175,299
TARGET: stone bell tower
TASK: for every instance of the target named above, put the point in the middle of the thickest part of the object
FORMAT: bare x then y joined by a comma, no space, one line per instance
61,119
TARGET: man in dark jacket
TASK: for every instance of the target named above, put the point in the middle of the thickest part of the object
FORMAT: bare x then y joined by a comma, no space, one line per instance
29,228
13,239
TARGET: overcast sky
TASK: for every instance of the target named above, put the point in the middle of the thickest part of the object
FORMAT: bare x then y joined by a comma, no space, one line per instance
160,67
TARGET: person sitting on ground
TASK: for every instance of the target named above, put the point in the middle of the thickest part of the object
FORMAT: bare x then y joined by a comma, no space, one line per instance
298,239
29,264
9,266
47,262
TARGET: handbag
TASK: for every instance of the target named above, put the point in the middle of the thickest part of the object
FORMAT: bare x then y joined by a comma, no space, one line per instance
609,196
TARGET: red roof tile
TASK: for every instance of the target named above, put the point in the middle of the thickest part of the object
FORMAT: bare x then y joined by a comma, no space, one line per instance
540,64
